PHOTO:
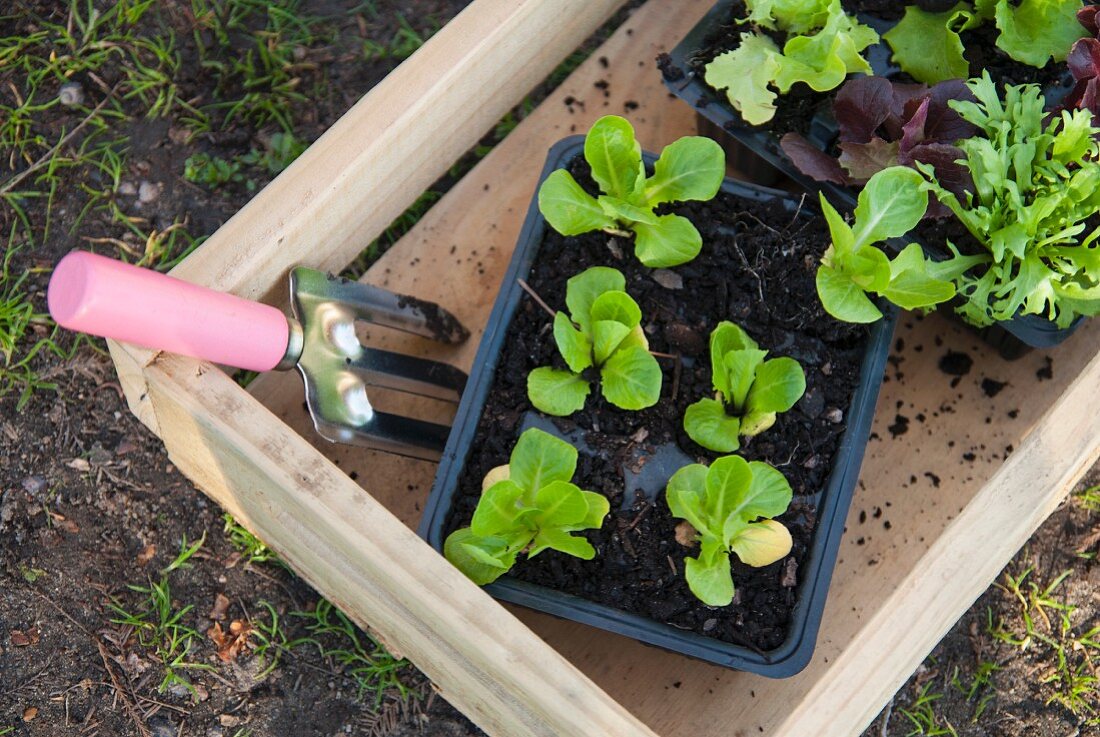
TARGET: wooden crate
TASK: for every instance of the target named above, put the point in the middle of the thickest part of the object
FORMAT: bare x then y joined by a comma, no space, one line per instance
928,530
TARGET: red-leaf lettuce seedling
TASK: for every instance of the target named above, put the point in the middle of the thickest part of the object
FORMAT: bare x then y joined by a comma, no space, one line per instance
603,336
730,505
822,47
930,48
889,206
749,391
530,504
690,168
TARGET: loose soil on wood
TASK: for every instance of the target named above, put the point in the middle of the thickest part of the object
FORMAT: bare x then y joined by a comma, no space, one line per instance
757,269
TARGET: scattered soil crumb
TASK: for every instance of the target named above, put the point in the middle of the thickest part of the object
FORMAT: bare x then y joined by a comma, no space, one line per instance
991,387
956,363
900,426
1047,371
933,478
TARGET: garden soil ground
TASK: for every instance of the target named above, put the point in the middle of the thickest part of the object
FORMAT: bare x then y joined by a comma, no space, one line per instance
90,504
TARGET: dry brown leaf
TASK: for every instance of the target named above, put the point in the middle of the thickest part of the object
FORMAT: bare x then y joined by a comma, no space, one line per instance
686,534
146,555
19,638
232,643
221,606
30,713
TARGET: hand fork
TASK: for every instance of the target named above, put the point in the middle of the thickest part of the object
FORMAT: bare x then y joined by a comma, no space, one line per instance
104,297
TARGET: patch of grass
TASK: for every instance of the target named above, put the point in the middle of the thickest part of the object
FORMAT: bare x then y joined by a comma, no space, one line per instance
213,171
979,689
185,554
271,640
923,717
1089,498
404,43
160,628
251,548
358,656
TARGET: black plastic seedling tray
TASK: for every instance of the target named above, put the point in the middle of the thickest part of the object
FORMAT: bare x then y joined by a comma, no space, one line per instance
832,501
1012,339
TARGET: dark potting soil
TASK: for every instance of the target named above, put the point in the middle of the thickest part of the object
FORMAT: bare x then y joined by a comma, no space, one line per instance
757,269
796,109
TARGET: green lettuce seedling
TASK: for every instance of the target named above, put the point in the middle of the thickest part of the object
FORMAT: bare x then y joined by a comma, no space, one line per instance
823,46
531,505
730,505
929,46
602,336
1036,188
890,205
691,168
749,391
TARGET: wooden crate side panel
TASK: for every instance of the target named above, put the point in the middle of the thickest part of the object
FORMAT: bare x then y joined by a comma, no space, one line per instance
402,136
359,555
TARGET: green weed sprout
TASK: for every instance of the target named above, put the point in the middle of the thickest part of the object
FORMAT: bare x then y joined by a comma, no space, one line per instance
603,336
529,505
731,506
690,168
749,391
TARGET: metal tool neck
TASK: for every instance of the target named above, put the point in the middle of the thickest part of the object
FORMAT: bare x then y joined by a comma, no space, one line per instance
294,345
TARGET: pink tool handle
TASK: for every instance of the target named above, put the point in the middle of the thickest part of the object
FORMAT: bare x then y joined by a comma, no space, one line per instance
97,295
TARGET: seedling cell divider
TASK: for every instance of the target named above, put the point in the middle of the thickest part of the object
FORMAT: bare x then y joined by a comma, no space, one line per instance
897,588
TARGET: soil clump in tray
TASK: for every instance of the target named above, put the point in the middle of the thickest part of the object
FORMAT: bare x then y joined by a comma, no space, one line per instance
757,269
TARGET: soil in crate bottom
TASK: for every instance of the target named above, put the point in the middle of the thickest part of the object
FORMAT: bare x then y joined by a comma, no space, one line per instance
757,269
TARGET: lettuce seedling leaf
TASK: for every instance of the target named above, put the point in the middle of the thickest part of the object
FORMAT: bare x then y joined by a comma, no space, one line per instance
822,47
602,331
749,391
731,506
1035,31
1036,185
691,168
556,392
672,241
568,208
631,379
535,504
853,266
928,45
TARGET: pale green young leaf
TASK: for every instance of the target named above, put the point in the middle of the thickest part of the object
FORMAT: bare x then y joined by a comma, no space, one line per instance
844,299
890,205
713,584
614,155
813,60
573,344
616,306
724,338
912,289
598,507
624,212
539,459
686,495
707,423
556,392
745,73
631,379
780,382
559,503
606,337
760,544
691,168
582,290
728,478
568,208
671,242
499,510
928,46
843,240
740,369
755,422
1034,31
481,560
768,493
556,538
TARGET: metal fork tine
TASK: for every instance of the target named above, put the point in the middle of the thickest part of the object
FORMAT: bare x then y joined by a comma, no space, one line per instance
392,434
382,307
408,374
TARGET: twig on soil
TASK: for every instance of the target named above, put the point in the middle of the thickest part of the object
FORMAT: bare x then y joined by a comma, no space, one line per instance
886,718
527,288
48,156
127,701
